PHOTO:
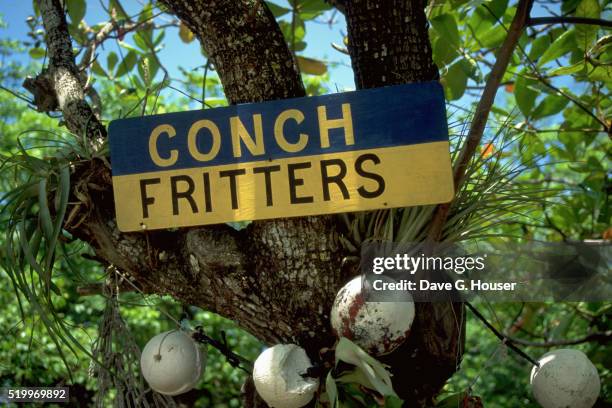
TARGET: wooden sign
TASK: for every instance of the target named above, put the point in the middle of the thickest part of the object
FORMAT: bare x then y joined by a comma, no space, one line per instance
364,150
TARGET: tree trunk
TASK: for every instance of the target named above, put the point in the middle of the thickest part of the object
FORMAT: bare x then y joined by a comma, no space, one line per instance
389,44
277,279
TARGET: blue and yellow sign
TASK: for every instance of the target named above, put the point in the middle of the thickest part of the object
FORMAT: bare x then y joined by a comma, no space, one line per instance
364,150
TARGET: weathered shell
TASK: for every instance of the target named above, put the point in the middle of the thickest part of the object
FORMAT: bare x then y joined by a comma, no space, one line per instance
172,363
566,378
278,379
377,327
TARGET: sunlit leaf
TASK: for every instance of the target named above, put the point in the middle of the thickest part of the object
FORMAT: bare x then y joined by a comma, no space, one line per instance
309,9
76,10
455,81
311,66
525,96
571,69
111,60
126,64
586,33
561,46
277,11
37,53
446,26
550,105
185,33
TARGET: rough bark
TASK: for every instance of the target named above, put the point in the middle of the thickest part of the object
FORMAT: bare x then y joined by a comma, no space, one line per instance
389,44
246,47
277,279
62,77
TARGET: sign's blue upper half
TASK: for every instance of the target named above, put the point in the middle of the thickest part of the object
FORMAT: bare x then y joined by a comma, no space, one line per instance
381,117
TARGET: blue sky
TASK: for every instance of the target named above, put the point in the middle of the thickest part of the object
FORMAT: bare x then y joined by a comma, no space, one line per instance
319,37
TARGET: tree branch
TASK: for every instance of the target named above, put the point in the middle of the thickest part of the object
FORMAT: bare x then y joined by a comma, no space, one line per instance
482,112
339,4
505,339
601,337
234,274
62,76
568,20
246,46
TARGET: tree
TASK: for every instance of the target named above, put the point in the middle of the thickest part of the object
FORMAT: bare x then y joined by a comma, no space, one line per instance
265,276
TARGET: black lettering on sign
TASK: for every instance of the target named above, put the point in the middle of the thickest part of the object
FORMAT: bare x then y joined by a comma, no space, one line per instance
295,182
233,174
372,176
268,179
207,200
187,194
337,179
144,198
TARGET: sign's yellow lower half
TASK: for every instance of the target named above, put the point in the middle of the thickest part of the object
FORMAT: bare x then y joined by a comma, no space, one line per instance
388,177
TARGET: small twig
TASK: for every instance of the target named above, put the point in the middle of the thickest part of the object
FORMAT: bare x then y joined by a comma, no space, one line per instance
232,358
206,67
551,224
576,102
568,20
17,95
482,112
602,337
505,339
90,289
189,96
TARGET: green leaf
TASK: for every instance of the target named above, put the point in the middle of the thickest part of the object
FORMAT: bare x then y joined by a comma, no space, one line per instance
277,11
561,46
126,64
587,33
147,69
76,10
159,38
523,93
567,6
443,52
470,67
600,73
146,14
446,26
37,53
551,105
571,69
311,66
455,81
142,41
309,9
36,7
331,390
452,401
44,215
115,6
98,70
111,60
539,46
494,36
